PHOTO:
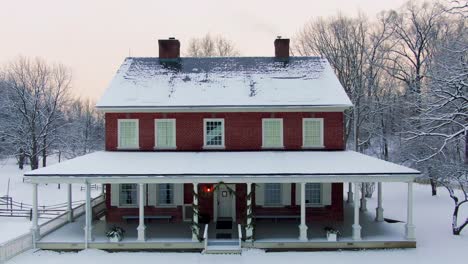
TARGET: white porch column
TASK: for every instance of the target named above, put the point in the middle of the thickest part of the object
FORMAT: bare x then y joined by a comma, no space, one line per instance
103,186
350,193
379,210
141,216
88,216
363,197
303,226
195,215
356,226
410,228
35,226
69,203
249,228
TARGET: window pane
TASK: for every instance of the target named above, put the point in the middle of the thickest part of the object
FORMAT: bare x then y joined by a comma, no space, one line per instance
313,133
272,133
313,193
214,133
128,194
272,193
128,134
165,194
165,134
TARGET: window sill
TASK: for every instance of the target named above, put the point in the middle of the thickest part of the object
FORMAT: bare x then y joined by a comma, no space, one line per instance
274,206
168,148
166,206
314,205
266,147
214,147
128,206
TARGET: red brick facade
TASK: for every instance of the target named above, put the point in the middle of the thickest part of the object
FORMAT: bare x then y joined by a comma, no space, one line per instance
243,131
333,212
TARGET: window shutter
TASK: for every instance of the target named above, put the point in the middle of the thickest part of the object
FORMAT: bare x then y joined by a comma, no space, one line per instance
259,194
326,194
286,193
115,195
179,194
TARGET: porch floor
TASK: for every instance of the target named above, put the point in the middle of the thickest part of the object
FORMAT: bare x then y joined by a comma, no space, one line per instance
269,234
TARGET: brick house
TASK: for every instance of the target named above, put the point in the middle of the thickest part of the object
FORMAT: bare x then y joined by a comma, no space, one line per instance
224,153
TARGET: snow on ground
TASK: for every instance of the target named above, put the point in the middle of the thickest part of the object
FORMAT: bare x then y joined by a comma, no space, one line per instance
22,192
432,219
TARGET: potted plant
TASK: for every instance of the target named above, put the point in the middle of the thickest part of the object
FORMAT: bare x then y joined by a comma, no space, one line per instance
332,234
115,234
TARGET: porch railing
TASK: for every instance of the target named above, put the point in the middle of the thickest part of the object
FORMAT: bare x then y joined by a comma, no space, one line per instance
18,245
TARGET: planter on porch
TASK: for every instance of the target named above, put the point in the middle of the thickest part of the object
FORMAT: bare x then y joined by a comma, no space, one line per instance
115,234
332,234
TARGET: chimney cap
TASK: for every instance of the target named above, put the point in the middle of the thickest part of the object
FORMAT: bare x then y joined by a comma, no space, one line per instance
278,37
171,37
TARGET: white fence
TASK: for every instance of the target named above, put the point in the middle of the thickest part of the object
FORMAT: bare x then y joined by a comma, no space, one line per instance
24,242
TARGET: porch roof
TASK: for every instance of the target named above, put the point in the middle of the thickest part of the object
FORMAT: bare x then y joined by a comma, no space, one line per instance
228,166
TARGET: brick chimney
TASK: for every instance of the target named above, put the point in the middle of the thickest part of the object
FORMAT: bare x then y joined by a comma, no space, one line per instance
281,48
169,48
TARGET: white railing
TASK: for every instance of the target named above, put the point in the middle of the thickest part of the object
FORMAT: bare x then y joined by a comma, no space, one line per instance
239,229
205,236
17,245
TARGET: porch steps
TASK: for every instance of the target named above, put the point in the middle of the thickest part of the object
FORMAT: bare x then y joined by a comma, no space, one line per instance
223,246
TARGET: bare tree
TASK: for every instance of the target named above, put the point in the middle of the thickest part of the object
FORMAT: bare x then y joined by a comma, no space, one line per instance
211,46
36,92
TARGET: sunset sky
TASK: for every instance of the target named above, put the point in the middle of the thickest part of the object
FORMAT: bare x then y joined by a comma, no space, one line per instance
93,37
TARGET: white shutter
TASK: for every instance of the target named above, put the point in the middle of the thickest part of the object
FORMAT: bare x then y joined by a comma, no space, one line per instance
259,194
152,194
179,194
115,194
326,194
286,194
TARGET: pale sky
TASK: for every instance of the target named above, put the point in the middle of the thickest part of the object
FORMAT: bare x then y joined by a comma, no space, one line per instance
94,37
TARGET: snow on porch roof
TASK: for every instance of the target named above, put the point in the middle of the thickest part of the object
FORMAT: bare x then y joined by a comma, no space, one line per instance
224,163
224,82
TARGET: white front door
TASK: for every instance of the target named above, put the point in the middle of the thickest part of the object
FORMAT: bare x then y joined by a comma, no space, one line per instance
225,201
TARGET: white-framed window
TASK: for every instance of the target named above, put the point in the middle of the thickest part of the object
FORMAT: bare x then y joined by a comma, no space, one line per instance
312,132
165,133
272,194
213,133
313,193
128,194
128,134
272,132
165,194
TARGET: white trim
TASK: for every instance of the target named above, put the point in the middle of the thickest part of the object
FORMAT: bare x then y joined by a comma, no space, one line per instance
205,120
137,133
321,145
227,179
222,109
173,121
281,133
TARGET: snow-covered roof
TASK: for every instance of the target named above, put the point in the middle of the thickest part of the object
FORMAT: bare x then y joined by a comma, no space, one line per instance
223,164
224,82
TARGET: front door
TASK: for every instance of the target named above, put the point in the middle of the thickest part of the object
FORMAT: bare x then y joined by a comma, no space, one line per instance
225,201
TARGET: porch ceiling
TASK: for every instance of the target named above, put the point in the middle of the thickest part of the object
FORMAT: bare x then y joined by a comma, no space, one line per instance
227,166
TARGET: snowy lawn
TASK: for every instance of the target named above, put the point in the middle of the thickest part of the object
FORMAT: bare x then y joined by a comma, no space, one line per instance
22,192
432,219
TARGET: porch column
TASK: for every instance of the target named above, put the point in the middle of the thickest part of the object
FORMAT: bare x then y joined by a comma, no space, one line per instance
103,186
356,226
350,193
69,203
379,210
303,226
35,226
88,216
410,228
195,232
249,229
363,197
141,216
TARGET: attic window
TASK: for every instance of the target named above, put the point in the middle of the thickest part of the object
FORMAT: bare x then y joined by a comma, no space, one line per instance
128,134
213,133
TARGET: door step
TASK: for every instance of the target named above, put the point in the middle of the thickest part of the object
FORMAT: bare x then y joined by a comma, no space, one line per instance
223,246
